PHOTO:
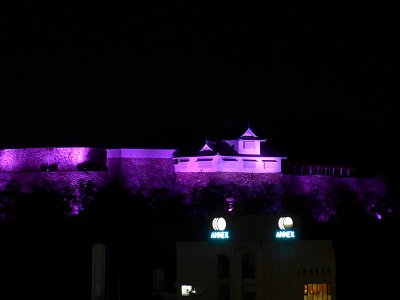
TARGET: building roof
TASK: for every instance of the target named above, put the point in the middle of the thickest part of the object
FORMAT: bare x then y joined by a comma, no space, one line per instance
225,148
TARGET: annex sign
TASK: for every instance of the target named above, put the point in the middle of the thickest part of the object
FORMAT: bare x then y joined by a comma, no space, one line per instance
285,224
219,225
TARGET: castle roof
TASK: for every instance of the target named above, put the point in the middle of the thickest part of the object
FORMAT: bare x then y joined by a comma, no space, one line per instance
228,147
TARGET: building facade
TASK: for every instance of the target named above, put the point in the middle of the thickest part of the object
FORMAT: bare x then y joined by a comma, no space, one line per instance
254,258
243,155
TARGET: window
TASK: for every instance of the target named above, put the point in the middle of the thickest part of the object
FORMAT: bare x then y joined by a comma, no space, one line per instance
205,164
184,165
248,292
223,266
317,291
229,162
269,164
249,145
248,265
251,164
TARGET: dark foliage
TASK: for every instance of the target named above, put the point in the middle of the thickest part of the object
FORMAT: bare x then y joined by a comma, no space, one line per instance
139,232
209,200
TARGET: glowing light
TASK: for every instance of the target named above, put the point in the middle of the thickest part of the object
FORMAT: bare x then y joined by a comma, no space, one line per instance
219,224
220,235
285,234
285,223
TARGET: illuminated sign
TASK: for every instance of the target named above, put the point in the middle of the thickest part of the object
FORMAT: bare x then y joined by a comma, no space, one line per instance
219,225
284,224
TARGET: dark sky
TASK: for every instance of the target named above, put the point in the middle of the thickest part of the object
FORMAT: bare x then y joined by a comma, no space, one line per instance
316,80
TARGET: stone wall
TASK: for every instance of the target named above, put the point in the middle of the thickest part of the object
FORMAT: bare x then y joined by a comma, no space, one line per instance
59,181
23,168
318,186
186,182
142,174
57,159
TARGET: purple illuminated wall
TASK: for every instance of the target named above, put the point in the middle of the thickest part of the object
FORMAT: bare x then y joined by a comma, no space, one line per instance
66,169
33,159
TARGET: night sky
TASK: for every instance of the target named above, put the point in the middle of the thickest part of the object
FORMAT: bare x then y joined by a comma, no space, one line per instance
316,80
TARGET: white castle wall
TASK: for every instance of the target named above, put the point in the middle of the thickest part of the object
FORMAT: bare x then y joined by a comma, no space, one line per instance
228,164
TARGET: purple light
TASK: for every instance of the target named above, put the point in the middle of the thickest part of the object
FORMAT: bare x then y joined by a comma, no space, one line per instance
230,202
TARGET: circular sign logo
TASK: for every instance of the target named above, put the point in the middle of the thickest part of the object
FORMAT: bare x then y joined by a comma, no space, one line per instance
285,223
219,224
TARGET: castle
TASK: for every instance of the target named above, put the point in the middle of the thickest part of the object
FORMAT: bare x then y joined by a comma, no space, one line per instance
244,162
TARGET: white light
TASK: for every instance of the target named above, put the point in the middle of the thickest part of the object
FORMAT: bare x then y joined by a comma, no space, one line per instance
285,223
219,224
280,225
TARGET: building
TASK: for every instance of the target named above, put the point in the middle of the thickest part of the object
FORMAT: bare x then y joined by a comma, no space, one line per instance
255,257
247,154
245,163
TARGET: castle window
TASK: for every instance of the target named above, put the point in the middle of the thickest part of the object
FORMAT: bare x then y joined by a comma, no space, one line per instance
249,145
269,163
250,164
229,162
205,164
184,165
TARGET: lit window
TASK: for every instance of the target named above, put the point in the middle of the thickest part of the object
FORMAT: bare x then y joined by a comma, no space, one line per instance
320,291
191,291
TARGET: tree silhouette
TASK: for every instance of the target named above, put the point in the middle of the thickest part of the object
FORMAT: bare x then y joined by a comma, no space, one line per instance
350,210
42,207
209,200
166,204
122,222
8,199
